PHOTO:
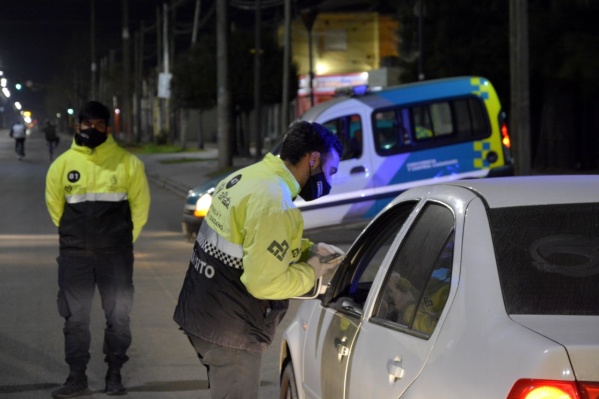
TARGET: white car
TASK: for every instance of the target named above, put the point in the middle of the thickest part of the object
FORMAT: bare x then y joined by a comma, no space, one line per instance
469,289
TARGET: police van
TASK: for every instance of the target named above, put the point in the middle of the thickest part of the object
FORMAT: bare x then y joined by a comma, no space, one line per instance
408,135
396,138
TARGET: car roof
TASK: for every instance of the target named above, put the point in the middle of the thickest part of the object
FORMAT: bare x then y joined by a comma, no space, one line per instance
404,93
501,192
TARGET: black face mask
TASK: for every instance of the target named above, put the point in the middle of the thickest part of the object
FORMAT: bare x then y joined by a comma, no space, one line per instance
316,187
90,137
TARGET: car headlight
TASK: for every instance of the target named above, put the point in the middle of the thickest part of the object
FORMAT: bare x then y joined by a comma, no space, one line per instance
202,205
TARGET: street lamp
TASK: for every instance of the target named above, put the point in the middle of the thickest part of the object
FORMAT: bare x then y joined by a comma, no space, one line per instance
70,112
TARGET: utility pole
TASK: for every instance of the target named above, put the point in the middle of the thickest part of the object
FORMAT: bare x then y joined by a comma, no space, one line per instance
94,93
196,21
126,102
309,16
164,78
286,64
257,80
138,72
519,82
420,39
225,158
194,39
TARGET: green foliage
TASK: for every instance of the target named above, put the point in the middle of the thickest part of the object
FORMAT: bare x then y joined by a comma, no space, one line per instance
194,76
461,37
195,73
564,41
242,70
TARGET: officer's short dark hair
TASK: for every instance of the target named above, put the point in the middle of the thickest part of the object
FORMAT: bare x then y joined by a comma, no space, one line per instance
94,110
305,137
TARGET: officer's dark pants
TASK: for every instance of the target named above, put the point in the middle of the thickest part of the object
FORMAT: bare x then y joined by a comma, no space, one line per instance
232,373
77,278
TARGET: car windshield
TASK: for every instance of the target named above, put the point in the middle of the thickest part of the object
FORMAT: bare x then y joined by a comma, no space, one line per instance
548,258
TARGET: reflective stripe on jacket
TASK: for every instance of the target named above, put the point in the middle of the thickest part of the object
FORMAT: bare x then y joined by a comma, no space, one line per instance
248,259
99,199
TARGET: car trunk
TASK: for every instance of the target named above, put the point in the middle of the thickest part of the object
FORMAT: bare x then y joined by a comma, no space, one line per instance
578,334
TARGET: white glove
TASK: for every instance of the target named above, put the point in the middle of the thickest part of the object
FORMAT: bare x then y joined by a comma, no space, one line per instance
330,249
324,258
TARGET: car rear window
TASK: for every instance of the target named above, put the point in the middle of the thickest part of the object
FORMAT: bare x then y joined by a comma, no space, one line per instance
548,258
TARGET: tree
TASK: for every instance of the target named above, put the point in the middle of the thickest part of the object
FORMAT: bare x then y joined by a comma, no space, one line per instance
460,37
242,56
194,74
466,38
564,61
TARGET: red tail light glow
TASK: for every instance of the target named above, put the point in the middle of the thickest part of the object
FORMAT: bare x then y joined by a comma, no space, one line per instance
589,390
505,136
544,389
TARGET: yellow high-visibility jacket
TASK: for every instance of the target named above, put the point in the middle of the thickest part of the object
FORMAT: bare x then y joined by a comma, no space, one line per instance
248,259
99,199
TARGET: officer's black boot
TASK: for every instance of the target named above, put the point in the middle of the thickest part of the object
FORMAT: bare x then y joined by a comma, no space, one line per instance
114,386
76,385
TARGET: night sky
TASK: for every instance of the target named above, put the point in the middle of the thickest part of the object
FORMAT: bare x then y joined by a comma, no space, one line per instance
37,38
41,41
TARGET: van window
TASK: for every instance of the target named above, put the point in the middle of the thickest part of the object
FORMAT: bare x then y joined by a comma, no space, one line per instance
430,125
470,118
348,129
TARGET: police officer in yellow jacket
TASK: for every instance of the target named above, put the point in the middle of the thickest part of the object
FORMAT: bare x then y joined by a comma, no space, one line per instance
98,196
250,257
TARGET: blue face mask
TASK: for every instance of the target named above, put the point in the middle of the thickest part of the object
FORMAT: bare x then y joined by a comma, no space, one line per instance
316,187
90,137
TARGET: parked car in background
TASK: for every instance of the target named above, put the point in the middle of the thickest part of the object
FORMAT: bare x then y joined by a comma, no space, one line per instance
394,139
480,288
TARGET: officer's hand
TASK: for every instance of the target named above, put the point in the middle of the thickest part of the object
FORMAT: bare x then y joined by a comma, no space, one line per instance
324,258
322,268
329,249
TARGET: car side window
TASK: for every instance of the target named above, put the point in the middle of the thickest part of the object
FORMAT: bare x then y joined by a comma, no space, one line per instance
417,285
354,279
348,129
429,125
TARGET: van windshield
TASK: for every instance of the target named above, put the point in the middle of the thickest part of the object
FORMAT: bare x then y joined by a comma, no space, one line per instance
548,258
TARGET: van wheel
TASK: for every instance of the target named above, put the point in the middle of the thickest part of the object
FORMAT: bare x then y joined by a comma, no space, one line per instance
288,384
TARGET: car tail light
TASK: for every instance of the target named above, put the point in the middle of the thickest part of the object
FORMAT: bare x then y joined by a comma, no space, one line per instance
505,136
506,142
589,390
545,389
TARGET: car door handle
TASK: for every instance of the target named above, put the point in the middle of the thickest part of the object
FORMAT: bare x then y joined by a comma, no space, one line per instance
357,169
396,372
342,349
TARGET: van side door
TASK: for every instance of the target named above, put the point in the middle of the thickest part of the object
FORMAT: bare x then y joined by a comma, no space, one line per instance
350,198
